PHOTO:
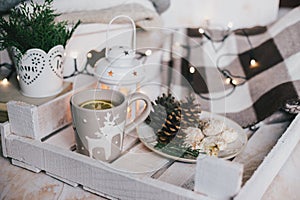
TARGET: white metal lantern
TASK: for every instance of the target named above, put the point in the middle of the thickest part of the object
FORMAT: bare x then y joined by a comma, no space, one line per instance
119,69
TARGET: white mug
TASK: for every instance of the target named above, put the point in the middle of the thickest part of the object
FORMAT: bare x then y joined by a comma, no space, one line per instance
99,132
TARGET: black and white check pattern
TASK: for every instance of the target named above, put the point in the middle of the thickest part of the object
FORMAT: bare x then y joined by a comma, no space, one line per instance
266,88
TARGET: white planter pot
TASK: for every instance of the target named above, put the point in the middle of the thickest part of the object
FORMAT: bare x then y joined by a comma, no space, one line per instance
40,73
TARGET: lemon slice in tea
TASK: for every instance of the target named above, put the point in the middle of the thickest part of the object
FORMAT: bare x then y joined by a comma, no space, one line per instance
97,104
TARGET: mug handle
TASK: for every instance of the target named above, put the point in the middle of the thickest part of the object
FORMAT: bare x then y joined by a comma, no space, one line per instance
143,115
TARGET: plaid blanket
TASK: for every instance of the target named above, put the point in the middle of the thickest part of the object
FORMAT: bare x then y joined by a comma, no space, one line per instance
262,88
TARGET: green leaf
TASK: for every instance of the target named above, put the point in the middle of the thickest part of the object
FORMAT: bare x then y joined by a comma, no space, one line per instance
25,29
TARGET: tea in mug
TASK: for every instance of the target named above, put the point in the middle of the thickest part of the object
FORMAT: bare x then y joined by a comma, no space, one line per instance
97,104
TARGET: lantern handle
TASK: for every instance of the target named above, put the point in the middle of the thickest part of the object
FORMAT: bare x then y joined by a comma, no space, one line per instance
133,36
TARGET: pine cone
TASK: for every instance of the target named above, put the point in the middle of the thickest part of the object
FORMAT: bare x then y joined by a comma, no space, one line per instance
190,113
167,101
170,127
157,117
162,107
169,116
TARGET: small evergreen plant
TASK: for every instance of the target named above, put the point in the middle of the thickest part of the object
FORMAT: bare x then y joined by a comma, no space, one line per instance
33,26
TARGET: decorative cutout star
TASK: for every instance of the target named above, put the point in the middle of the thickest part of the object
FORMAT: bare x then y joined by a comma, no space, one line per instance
126,53
110,73
134,73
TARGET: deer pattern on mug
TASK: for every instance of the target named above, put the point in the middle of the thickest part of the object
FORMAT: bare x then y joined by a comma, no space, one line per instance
106,135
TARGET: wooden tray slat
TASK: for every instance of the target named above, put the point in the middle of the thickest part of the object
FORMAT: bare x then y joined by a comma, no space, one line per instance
178,173
139,161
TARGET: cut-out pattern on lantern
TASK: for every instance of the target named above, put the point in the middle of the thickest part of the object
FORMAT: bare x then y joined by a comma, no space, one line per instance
119,69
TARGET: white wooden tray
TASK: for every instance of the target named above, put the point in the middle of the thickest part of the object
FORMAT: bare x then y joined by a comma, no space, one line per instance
141,174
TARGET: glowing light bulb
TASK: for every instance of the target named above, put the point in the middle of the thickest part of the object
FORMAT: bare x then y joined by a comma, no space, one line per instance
201,30
89,55
227,81
148,52
4,81
230,25
18,77
192,70
253,63
234,82
105,87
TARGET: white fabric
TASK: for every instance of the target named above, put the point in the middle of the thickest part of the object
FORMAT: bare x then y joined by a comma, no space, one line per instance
242,13
67,6
292,64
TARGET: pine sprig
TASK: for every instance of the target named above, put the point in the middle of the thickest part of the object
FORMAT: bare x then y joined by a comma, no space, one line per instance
179,151
34,26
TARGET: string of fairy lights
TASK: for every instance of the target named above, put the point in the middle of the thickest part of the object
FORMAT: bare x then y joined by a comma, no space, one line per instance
230,78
